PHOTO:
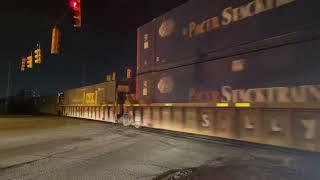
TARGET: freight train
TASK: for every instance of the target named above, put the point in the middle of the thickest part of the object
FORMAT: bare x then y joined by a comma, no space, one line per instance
246,70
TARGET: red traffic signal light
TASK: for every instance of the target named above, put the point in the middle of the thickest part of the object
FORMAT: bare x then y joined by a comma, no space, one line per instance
75,5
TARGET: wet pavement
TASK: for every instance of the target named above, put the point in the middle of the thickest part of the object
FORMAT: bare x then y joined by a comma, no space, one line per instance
61,148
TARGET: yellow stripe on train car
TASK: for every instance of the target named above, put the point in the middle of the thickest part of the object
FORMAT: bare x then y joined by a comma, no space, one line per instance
222,104
243,105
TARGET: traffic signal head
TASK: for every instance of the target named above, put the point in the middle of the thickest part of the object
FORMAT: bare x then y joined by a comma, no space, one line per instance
129,73
37,55
76,7
23,64
75,4
108,78
29,62
55,41
113,76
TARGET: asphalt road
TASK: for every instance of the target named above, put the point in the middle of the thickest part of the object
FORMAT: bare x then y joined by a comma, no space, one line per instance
65,149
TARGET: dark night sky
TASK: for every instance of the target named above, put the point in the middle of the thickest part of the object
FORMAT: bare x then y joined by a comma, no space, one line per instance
107,41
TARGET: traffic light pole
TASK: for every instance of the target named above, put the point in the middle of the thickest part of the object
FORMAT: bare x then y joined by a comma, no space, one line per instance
8,86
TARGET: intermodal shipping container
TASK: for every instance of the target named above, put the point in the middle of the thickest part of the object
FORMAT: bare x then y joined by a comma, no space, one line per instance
202,30
98,94
284,74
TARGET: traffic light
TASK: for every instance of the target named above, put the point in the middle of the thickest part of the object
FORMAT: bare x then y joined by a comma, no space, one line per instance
76,7
113,76
30,62
108,78
55,40
37,55
129,73
23,64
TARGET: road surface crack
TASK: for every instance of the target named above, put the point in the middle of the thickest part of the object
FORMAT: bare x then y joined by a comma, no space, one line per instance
22,164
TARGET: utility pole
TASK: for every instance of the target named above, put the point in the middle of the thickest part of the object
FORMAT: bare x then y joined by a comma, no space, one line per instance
8,86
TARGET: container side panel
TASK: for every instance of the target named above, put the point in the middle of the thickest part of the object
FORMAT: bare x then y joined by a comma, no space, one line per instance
201,29
284,74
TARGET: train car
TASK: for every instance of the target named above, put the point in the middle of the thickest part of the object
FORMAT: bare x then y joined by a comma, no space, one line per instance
103,102
238,69
91,102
